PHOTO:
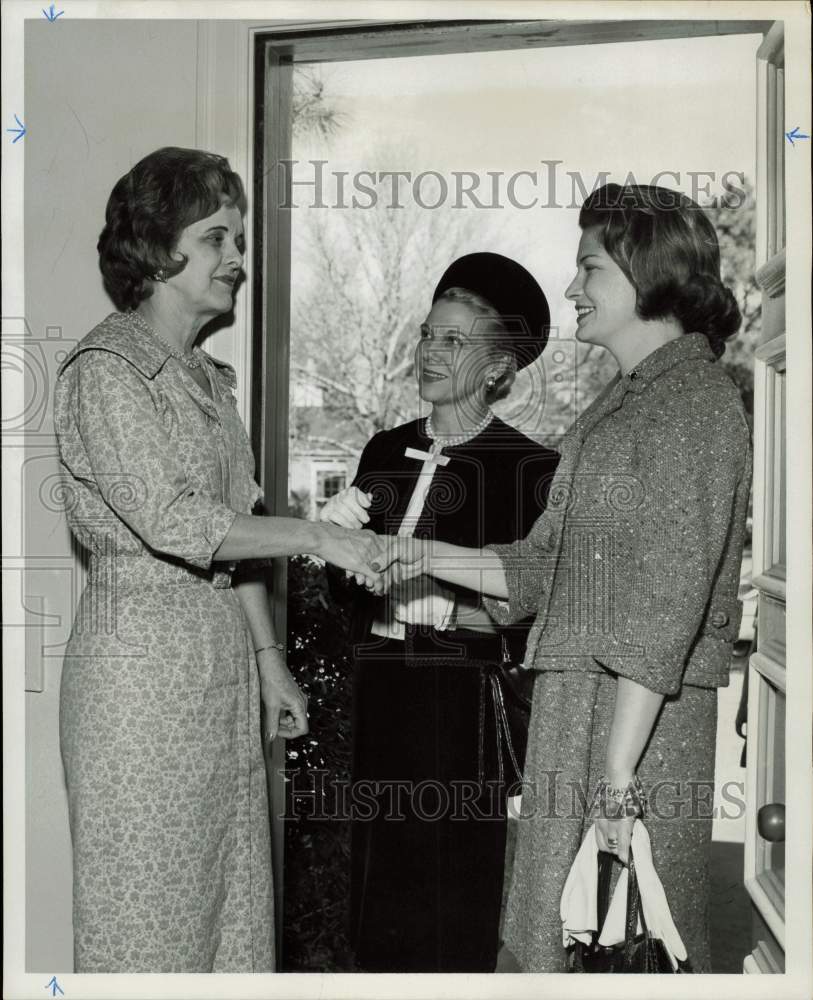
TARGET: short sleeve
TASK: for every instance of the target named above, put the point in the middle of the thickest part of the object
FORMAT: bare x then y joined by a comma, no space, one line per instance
136,467
246,494
668,549
529,562
528,566
244,490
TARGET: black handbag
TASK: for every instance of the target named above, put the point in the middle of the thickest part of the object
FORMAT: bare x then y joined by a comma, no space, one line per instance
512,689
638,953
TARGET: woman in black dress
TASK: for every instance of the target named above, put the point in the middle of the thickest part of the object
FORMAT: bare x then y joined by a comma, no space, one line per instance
435,752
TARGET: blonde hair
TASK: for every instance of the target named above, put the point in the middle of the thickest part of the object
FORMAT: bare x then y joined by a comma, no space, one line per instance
480,306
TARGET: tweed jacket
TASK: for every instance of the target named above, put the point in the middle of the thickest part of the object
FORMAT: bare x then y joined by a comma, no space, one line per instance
634,566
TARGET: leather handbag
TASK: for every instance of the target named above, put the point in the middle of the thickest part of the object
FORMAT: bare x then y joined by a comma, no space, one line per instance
511,696
638,953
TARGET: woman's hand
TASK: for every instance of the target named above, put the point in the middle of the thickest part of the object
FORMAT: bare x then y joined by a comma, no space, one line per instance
348,508
285,706
411,558
361,552
618,793
405,557
615,836
636,709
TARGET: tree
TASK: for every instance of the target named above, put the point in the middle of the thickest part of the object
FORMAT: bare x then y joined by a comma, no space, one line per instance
371,275
312,112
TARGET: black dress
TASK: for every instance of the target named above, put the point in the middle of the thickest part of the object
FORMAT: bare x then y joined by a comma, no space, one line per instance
431,765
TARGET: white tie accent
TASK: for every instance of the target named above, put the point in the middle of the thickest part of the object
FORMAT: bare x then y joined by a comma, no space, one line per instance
427,456
421,601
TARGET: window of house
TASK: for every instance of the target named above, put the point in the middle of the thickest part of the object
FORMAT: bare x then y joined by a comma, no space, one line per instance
328,484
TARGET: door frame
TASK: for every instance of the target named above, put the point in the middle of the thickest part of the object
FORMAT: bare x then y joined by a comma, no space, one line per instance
262,324
767,681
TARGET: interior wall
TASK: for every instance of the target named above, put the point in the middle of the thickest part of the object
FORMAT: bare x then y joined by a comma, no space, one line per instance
99,95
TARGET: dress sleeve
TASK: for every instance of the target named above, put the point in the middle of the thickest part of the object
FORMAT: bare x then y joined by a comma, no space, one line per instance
374,476
527,563
368,462
244,490
135,466
668,548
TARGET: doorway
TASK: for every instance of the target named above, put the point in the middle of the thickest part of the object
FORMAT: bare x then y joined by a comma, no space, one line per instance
385,153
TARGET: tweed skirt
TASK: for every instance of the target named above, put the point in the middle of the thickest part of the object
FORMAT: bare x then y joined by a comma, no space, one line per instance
569,728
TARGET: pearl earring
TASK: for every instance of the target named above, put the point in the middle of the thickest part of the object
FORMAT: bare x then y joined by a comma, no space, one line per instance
490,382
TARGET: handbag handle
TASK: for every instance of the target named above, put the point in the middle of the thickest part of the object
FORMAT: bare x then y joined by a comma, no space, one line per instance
634,909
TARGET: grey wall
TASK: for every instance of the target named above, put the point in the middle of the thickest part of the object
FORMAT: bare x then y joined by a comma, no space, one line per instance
98,96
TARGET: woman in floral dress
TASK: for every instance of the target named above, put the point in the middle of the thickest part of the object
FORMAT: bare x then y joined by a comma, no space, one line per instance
172,650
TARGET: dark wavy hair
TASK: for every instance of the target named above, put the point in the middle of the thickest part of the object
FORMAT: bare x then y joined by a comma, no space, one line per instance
147,210
668,250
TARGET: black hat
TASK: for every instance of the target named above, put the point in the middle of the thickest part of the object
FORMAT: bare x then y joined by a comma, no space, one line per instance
513,292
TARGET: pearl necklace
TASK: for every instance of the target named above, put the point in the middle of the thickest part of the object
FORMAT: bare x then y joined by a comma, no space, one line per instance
449,440
191,360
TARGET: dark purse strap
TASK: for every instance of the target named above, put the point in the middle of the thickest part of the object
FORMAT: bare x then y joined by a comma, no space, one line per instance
635,909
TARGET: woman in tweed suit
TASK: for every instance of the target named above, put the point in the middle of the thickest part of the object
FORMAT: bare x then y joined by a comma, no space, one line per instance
632,571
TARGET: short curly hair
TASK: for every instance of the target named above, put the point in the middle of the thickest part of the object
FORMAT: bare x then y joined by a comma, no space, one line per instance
667,247
147,210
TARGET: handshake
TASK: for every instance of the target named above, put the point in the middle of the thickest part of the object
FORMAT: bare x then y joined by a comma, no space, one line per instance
378,562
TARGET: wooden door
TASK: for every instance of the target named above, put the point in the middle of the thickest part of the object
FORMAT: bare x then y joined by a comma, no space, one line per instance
765,777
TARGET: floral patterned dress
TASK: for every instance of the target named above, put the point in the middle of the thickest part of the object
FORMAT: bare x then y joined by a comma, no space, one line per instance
159,704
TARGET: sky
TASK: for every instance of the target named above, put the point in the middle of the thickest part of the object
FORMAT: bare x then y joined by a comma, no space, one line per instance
683,106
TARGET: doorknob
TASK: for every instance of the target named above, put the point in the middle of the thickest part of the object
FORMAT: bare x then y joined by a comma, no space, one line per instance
771,822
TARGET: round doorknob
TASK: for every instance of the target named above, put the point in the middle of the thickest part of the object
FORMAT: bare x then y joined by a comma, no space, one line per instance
771,822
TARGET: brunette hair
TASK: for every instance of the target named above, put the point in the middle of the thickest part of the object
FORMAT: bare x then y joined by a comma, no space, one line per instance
668,250
147,210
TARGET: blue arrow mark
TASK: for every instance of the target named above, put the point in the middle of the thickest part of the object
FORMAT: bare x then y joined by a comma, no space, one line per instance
795,134
50,13
54,986
20,131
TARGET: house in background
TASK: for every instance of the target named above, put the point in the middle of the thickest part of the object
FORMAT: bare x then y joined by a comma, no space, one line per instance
315,474
317,467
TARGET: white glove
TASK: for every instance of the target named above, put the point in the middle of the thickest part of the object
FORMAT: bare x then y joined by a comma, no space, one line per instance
348,509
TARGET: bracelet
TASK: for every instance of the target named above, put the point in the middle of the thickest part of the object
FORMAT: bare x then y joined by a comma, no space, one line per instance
617,803
279,646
